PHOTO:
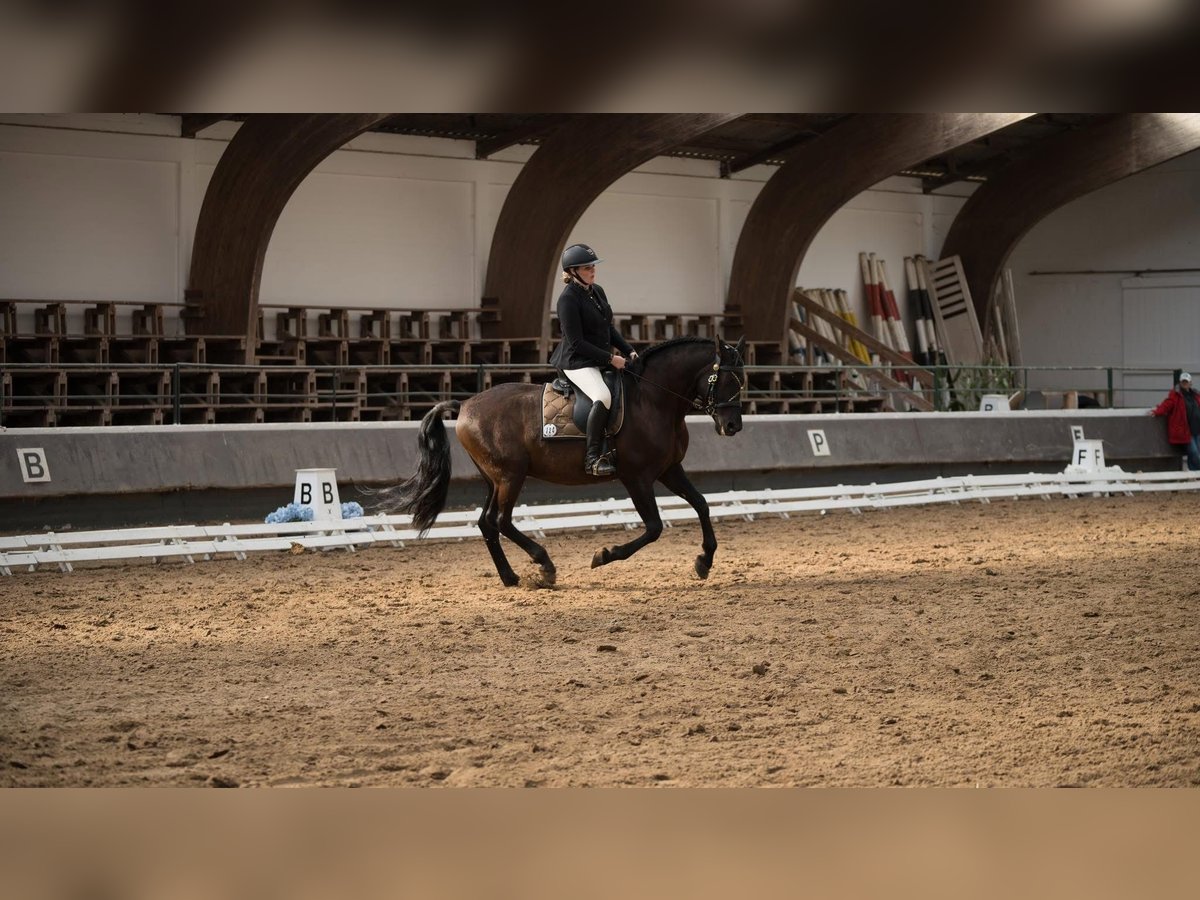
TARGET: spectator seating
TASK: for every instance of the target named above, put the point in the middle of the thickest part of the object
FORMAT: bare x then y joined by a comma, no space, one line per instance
114,362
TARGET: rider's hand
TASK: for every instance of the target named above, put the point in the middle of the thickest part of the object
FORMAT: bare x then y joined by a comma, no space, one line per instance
618,361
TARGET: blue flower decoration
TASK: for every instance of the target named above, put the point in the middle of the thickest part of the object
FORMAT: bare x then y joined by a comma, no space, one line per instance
293,512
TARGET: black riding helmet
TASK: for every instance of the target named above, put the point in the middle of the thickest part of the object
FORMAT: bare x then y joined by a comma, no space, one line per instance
579,255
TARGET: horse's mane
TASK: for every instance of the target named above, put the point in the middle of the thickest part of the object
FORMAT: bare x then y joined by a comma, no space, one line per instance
674,342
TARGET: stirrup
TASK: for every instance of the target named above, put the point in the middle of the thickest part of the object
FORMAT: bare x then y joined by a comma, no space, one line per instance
601,466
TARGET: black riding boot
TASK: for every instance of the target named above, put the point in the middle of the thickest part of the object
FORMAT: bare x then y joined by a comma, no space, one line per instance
593,462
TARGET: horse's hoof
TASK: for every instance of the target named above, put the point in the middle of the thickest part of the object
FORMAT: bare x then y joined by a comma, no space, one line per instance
549,576
510,580
601,558
702,567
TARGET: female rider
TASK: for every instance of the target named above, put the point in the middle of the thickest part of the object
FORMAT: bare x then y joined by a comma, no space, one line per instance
588,339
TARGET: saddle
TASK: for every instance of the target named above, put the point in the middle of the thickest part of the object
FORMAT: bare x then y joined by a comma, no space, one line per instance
564,413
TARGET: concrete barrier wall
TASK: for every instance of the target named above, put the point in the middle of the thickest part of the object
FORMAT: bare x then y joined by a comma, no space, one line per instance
80,462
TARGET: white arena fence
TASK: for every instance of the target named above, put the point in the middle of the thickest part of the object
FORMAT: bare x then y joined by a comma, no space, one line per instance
192,542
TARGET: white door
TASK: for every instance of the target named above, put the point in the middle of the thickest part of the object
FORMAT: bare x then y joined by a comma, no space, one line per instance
1162,331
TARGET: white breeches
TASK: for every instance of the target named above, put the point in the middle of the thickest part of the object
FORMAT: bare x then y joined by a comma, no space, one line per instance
591,383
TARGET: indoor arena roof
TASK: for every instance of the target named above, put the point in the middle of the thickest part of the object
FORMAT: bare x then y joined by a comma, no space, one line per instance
751,139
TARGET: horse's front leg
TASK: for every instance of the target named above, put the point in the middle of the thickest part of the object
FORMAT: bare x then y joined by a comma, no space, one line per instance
676,481
642,496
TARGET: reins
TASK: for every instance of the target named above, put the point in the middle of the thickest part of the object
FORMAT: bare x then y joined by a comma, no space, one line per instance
709,405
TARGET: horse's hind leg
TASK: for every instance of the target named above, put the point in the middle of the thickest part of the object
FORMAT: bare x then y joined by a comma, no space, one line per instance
676,481
642,496
507,491
491,534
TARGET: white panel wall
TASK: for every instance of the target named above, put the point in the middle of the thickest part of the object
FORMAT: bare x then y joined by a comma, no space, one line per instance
402,222
892,220
369,241
1161,321
832,260
71,221
391,221
1149,221
662,253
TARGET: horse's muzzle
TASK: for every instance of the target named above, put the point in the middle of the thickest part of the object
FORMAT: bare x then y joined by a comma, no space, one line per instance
729,429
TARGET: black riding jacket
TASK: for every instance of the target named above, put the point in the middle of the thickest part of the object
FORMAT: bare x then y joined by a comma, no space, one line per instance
588,332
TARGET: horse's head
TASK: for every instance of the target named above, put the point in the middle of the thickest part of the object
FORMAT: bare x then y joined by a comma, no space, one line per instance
725,384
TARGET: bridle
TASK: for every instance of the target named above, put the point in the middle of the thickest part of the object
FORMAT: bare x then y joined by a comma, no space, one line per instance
708,403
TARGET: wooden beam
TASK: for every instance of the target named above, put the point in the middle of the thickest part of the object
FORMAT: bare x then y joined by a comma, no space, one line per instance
537,127
192,124
263,165
956,171
816,182
761,156
563,177
1066,167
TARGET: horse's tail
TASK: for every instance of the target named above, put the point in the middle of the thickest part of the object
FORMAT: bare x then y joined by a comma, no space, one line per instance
424,494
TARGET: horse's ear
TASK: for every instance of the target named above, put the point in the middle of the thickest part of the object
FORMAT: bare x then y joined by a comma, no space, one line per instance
741,346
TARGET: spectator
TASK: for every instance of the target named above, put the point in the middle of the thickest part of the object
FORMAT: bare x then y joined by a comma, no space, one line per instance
1182,409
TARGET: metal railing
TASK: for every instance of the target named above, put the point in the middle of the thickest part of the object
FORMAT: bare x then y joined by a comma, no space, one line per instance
182,393
854,388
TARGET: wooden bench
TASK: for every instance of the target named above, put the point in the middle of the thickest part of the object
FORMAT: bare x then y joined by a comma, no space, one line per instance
705,325
291,322
183,349
29,387
93,350
50,317
90,387
147,320
40,350
375,324
138,388
8,318
100,342
138,350
291,387
100,318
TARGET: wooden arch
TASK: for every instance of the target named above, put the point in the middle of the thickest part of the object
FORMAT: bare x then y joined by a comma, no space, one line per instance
814,183
1066,167
570,170
257,174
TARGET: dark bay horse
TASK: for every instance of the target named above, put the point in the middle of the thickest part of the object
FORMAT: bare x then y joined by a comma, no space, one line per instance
501,429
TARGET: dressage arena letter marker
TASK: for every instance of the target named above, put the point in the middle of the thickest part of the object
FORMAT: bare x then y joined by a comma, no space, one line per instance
820,444
1088,454
1077,432
318,488
33,464
993,403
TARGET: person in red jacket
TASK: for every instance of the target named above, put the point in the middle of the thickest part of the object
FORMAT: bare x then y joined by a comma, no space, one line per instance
1182,409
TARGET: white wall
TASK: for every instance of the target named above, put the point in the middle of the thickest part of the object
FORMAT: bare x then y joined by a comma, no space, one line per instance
389,221
1145,222
407,222
91,215
892,220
